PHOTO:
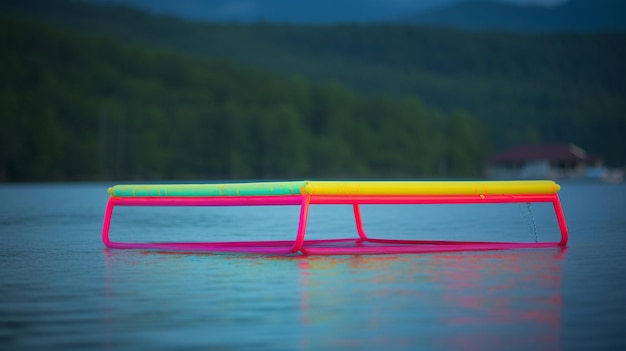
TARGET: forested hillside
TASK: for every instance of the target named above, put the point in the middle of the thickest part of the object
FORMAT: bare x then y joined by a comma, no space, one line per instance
524,88
81,107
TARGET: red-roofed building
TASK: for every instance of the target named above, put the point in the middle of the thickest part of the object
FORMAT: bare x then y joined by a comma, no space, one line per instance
542,162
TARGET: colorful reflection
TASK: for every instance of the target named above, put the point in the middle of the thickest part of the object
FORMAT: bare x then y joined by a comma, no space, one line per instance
471,301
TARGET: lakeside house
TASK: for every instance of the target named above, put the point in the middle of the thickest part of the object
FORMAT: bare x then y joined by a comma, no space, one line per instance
550,162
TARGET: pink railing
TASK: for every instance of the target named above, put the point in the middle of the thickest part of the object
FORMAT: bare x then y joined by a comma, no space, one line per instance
362,244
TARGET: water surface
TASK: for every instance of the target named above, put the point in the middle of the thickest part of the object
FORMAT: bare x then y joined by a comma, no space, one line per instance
61,289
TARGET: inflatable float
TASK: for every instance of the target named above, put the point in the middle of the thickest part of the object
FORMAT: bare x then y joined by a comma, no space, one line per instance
354,193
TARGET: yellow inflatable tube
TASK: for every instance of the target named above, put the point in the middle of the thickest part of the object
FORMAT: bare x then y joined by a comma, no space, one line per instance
431,187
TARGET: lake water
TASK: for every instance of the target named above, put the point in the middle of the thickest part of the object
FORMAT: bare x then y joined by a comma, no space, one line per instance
61,289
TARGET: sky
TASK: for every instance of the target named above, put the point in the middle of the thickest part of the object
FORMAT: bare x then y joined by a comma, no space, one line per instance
301,10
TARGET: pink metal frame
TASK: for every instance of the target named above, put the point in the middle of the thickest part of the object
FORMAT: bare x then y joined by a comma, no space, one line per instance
361,245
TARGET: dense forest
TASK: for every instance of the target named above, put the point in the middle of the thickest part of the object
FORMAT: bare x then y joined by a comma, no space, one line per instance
78,107
386,99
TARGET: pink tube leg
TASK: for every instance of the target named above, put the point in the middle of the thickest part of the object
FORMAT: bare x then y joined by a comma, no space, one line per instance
304,214
107,223
560,217
359,222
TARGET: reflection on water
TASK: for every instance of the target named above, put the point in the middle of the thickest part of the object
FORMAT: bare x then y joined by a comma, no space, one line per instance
455,300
